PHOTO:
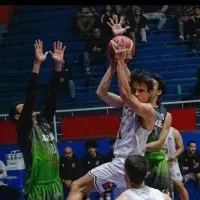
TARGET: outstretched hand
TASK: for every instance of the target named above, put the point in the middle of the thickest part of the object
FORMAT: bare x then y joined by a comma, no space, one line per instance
121,52
39,56
58,53
117,27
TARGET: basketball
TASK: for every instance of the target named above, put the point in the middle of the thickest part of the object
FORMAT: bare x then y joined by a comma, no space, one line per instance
127,42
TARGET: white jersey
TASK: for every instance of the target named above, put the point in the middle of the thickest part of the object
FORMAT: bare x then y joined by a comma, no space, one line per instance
143,193
131,138
170,145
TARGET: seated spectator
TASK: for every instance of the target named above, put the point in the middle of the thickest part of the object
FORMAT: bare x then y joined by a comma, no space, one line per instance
92,159
138,23
189,162
193,29
86,20
109,156
67,81
107,14
182,15
155,13
70,169
95,50
6,192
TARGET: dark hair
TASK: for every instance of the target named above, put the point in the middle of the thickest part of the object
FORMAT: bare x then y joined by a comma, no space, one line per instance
141,76
90,143
161,82
191,141
112,141
136,167
13,111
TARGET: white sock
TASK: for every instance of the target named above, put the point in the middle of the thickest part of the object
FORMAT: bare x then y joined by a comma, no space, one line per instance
88,198
108,198
101,198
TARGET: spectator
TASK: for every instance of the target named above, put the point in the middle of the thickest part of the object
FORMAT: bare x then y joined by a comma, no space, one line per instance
70,169
95,50
6,192
66,80
86,20
109,156
155,13
193,29
182,15
107,14
138,23
92,159
189,163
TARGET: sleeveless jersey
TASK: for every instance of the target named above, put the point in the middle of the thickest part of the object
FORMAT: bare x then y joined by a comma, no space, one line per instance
45,164
143,193
170,145
161,113
131,138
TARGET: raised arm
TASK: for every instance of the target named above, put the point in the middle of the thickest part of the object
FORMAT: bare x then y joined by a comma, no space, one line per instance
25,122
158,144
142,109
102,91
50,102
179,145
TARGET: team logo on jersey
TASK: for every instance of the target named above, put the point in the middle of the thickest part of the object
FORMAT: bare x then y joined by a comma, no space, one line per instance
73,165
178,174
97,162
108,186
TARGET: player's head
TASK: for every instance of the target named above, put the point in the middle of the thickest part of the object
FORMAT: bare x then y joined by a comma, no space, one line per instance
97,33
159,86
136,168
15,112
141,85
68,153
112,143
91,146
192,146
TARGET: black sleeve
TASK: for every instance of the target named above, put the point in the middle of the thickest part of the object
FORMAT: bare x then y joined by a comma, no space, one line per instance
50,102
25,123
181,160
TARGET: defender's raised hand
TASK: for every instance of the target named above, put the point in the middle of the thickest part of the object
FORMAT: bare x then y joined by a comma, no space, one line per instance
58,53
117,27
39,56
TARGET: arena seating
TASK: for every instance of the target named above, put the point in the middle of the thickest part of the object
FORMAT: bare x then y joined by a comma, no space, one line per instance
162,54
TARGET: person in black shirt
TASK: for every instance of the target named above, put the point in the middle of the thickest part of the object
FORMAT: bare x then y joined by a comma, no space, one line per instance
189,162
35,132
70,169
95,50
109,156
193,29
92,159
67,80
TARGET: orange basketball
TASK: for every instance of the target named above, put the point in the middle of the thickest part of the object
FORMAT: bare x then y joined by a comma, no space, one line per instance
127,42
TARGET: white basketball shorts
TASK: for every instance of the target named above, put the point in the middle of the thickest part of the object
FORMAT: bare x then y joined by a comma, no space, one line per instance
109,174
175,172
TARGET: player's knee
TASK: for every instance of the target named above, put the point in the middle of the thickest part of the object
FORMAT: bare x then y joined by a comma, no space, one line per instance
178,184
76,186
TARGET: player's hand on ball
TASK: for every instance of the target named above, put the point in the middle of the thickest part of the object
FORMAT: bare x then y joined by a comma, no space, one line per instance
117,27
58,53
171,159
39,55
120,50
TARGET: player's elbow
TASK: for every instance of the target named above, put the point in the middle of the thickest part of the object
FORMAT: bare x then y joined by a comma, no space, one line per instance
100,93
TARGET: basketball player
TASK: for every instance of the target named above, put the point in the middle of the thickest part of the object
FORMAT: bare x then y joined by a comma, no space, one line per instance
35,134
174,147
138,120
136,169
159,175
